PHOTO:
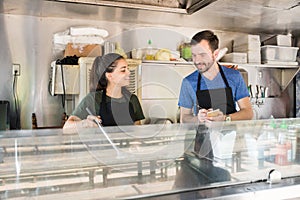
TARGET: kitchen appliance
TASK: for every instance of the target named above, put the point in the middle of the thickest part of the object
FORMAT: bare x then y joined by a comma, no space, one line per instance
64,79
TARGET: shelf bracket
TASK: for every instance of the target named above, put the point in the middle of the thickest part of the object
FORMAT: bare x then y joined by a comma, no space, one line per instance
287,76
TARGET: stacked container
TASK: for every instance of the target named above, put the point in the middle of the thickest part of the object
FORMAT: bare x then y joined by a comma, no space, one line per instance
249,44
278,50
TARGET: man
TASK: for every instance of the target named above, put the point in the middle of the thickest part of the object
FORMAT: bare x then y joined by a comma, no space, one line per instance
212,87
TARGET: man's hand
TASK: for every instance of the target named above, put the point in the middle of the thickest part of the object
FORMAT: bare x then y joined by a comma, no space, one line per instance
209,115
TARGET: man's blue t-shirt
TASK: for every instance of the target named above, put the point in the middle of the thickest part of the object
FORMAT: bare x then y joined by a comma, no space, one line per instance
188,99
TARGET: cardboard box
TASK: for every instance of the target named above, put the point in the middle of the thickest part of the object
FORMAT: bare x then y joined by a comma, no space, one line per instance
80,50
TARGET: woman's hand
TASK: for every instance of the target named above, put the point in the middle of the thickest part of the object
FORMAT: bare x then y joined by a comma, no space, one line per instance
91,121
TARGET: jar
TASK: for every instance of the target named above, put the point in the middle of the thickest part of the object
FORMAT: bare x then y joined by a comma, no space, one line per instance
186,52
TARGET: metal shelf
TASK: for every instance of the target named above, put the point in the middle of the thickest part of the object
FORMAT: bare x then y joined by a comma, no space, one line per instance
284,73
160,62
225,63
263,65
284,77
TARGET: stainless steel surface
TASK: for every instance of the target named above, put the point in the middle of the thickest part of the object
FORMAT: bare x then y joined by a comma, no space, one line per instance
280,91
153,5
255,16
288,189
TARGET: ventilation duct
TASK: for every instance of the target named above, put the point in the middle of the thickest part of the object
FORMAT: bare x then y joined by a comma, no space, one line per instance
195,5
174,6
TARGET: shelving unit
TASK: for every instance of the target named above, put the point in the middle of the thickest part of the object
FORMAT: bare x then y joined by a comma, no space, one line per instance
160,62
263,65
284,74
225,63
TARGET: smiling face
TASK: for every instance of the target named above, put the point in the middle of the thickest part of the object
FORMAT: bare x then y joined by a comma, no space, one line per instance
203,57
120,74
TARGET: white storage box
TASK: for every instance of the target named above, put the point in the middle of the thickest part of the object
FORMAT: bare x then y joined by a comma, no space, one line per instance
279,40
278,53
254,57
249,44
246,43
235,57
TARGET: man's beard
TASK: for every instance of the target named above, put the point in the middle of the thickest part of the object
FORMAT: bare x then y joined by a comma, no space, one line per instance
206,67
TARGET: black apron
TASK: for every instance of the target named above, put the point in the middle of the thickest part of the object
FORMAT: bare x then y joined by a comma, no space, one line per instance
220,98
115,113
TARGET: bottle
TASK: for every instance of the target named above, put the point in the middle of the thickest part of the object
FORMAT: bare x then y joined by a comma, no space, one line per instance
33,121
133,53
283,148
149,51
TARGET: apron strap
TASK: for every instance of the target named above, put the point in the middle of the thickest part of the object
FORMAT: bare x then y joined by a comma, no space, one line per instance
199,81
223,76
103,102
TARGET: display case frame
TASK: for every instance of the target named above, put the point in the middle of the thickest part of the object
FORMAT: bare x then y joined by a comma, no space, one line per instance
158,161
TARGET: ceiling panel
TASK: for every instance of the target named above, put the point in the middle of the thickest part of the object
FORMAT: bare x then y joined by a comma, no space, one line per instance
249,16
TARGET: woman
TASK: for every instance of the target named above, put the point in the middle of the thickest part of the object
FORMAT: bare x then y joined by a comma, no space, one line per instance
109,102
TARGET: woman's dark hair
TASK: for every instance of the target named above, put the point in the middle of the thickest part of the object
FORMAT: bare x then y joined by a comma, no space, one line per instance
101,65
208,35
102,82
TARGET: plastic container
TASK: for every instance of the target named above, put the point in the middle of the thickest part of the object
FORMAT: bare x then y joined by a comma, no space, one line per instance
235,57
278,53
246,43
279,40
186,52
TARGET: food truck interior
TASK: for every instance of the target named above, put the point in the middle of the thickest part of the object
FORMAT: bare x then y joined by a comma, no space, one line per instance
259,38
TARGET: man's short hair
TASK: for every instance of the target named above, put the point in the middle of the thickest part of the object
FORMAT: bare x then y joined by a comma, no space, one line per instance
208,35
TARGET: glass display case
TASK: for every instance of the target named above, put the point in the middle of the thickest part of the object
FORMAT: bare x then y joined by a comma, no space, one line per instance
224,160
